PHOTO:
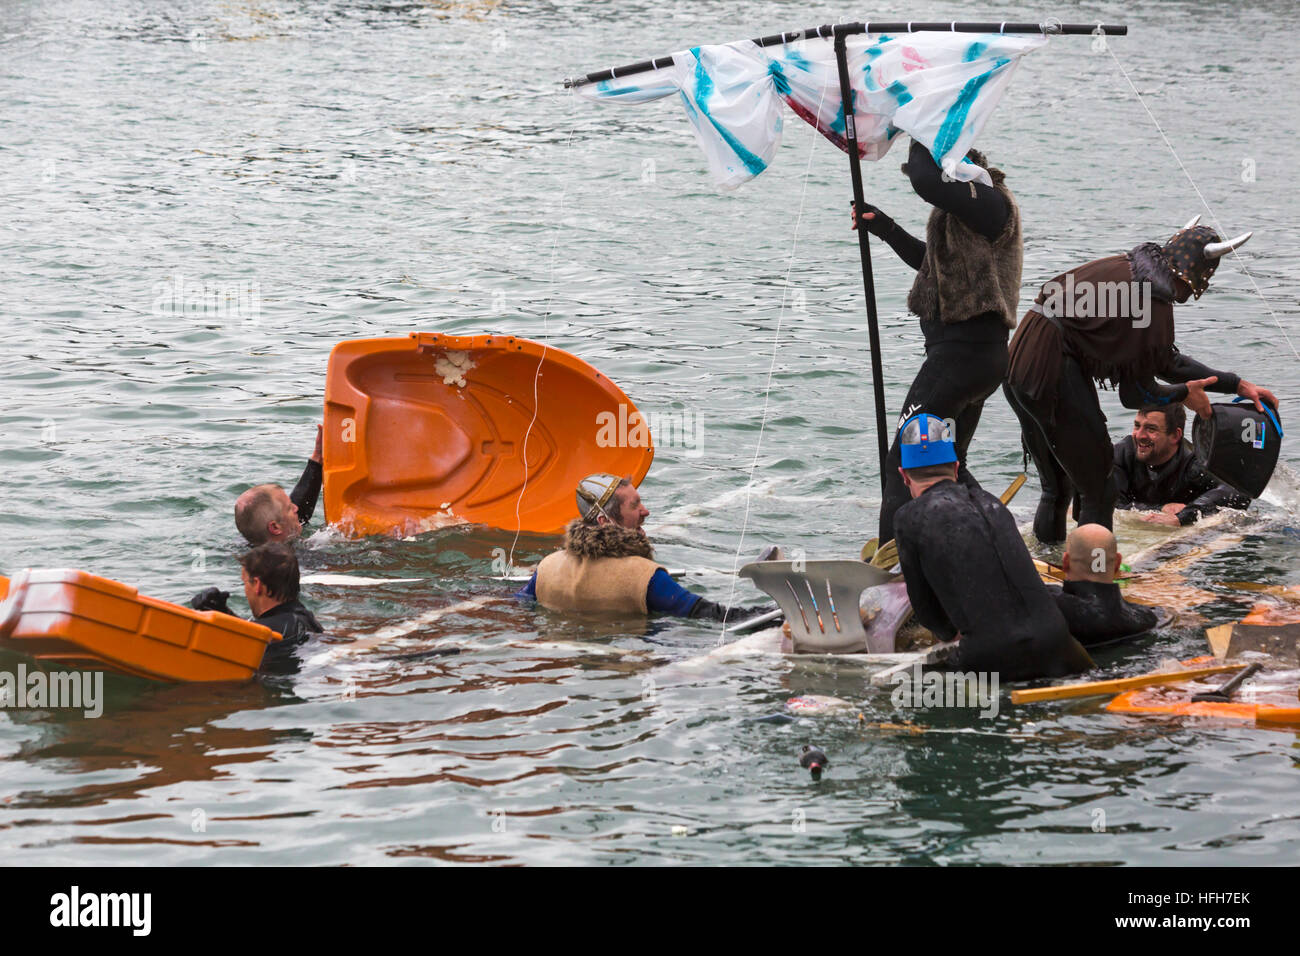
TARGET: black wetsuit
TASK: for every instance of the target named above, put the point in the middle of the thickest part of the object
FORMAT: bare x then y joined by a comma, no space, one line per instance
295,624
965,361
967,570
306,492
291,620
1077,459
1097,614
1180,479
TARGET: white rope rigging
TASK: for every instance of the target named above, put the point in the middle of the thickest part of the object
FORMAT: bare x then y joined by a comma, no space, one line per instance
1199,195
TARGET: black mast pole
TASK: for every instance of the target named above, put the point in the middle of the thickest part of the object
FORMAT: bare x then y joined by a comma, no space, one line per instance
864,246
1049,28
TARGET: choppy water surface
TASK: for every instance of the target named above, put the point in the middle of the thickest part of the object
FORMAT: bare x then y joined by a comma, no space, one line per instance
363,169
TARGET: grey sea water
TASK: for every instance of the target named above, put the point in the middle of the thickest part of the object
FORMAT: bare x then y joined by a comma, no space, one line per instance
311,172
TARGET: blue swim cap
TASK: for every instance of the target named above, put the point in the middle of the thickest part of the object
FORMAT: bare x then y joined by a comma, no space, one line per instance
926,440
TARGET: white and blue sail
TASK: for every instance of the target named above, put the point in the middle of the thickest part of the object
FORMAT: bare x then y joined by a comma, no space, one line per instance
939,88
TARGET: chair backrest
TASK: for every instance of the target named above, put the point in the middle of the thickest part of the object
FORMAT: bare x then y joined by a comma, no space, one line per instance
821,603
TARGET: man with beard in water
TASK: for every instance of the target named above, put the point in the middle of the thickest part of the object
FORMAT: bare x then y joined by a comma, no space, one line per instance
1110,319
1154,469
968,572
1090,600
607,564
966,292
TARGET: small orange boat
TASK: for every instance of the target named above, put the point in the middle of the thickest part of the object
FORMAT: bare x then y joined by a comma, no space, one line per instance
1265,703
76,619
434,429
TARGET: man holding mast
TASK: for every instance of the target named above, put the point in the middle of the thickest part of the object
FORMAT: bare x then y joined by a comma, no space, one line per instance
965,293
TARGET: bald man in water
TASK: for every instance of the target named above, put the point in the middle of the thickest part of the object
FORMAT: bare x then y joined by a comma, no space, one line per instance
1090,600
266,513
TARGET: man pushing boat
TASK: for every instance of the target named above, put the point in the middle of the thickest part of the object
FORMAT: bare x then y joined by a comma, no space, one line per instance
607,564
1155,471
268,513
1110,319
965,293
967,570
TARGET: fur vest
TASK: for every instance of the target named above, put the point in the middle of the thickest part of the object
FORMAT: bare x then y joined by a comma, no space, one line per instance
963,273
602,568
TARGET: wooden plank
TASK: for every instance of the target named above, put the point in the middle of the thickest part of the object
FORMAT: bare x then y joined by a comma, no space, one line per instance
1220,637
1107,687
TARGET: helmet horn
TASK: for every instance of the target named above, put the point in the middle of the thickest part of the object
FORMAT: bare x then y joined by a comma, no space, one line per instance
1213,250
1192,222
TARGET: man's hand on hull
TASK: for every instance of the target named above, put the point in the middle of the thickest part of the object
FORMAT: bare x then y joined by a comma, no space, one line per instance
1163,517
1255,393
1196,398
316,455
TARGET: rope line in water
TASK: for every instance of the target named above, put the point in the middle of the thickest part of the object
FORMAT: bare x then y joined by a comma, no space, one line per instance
1199,195
767,387
546,335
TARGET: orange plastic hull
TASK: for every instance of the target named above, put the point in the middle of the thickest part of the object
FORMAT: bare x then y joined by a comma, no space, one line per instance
408,447
75,619
1274,707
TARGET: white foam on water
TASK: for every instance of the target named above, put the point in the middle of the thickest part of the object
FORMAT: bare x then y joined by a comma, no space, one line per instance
1283,490
353,580
393,631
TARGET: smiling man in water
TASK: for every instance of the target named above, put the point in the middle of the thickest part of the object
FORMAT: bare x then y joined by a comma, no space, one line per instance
1154,469
607,564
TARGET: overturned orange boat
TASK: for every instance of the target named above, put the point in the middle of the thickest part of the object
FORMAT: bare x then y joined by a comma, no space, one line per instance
1270,701
74,619
432,429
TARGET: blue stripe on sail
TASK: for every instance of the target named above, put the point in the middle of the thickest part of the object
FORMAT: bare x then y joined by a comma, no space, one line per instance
877,48
778,77
837,125
899,92
975,51
955,121
604,89
703,90
798,59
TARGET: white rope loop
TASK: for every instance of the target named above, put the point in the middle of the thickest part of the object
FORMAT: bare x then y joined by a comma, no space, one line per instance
771,368
1201,196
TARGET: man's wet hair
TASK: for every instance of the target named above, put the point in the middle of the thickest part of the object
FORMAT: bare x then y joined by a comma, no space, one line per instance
1175,415
276,565
944,470
257,512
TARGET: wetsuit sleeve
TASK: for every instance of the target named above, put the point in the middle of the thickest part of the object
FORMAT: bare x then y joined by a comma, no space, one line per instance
1123,493
1184,368
307,491
925,603
908,248
1208,496
1177,368
980,207
529,591
1134,393
663,595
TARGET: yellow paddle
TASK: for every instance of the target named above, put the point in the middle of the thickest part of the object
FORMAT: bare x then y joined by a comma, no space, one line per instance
1108,687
